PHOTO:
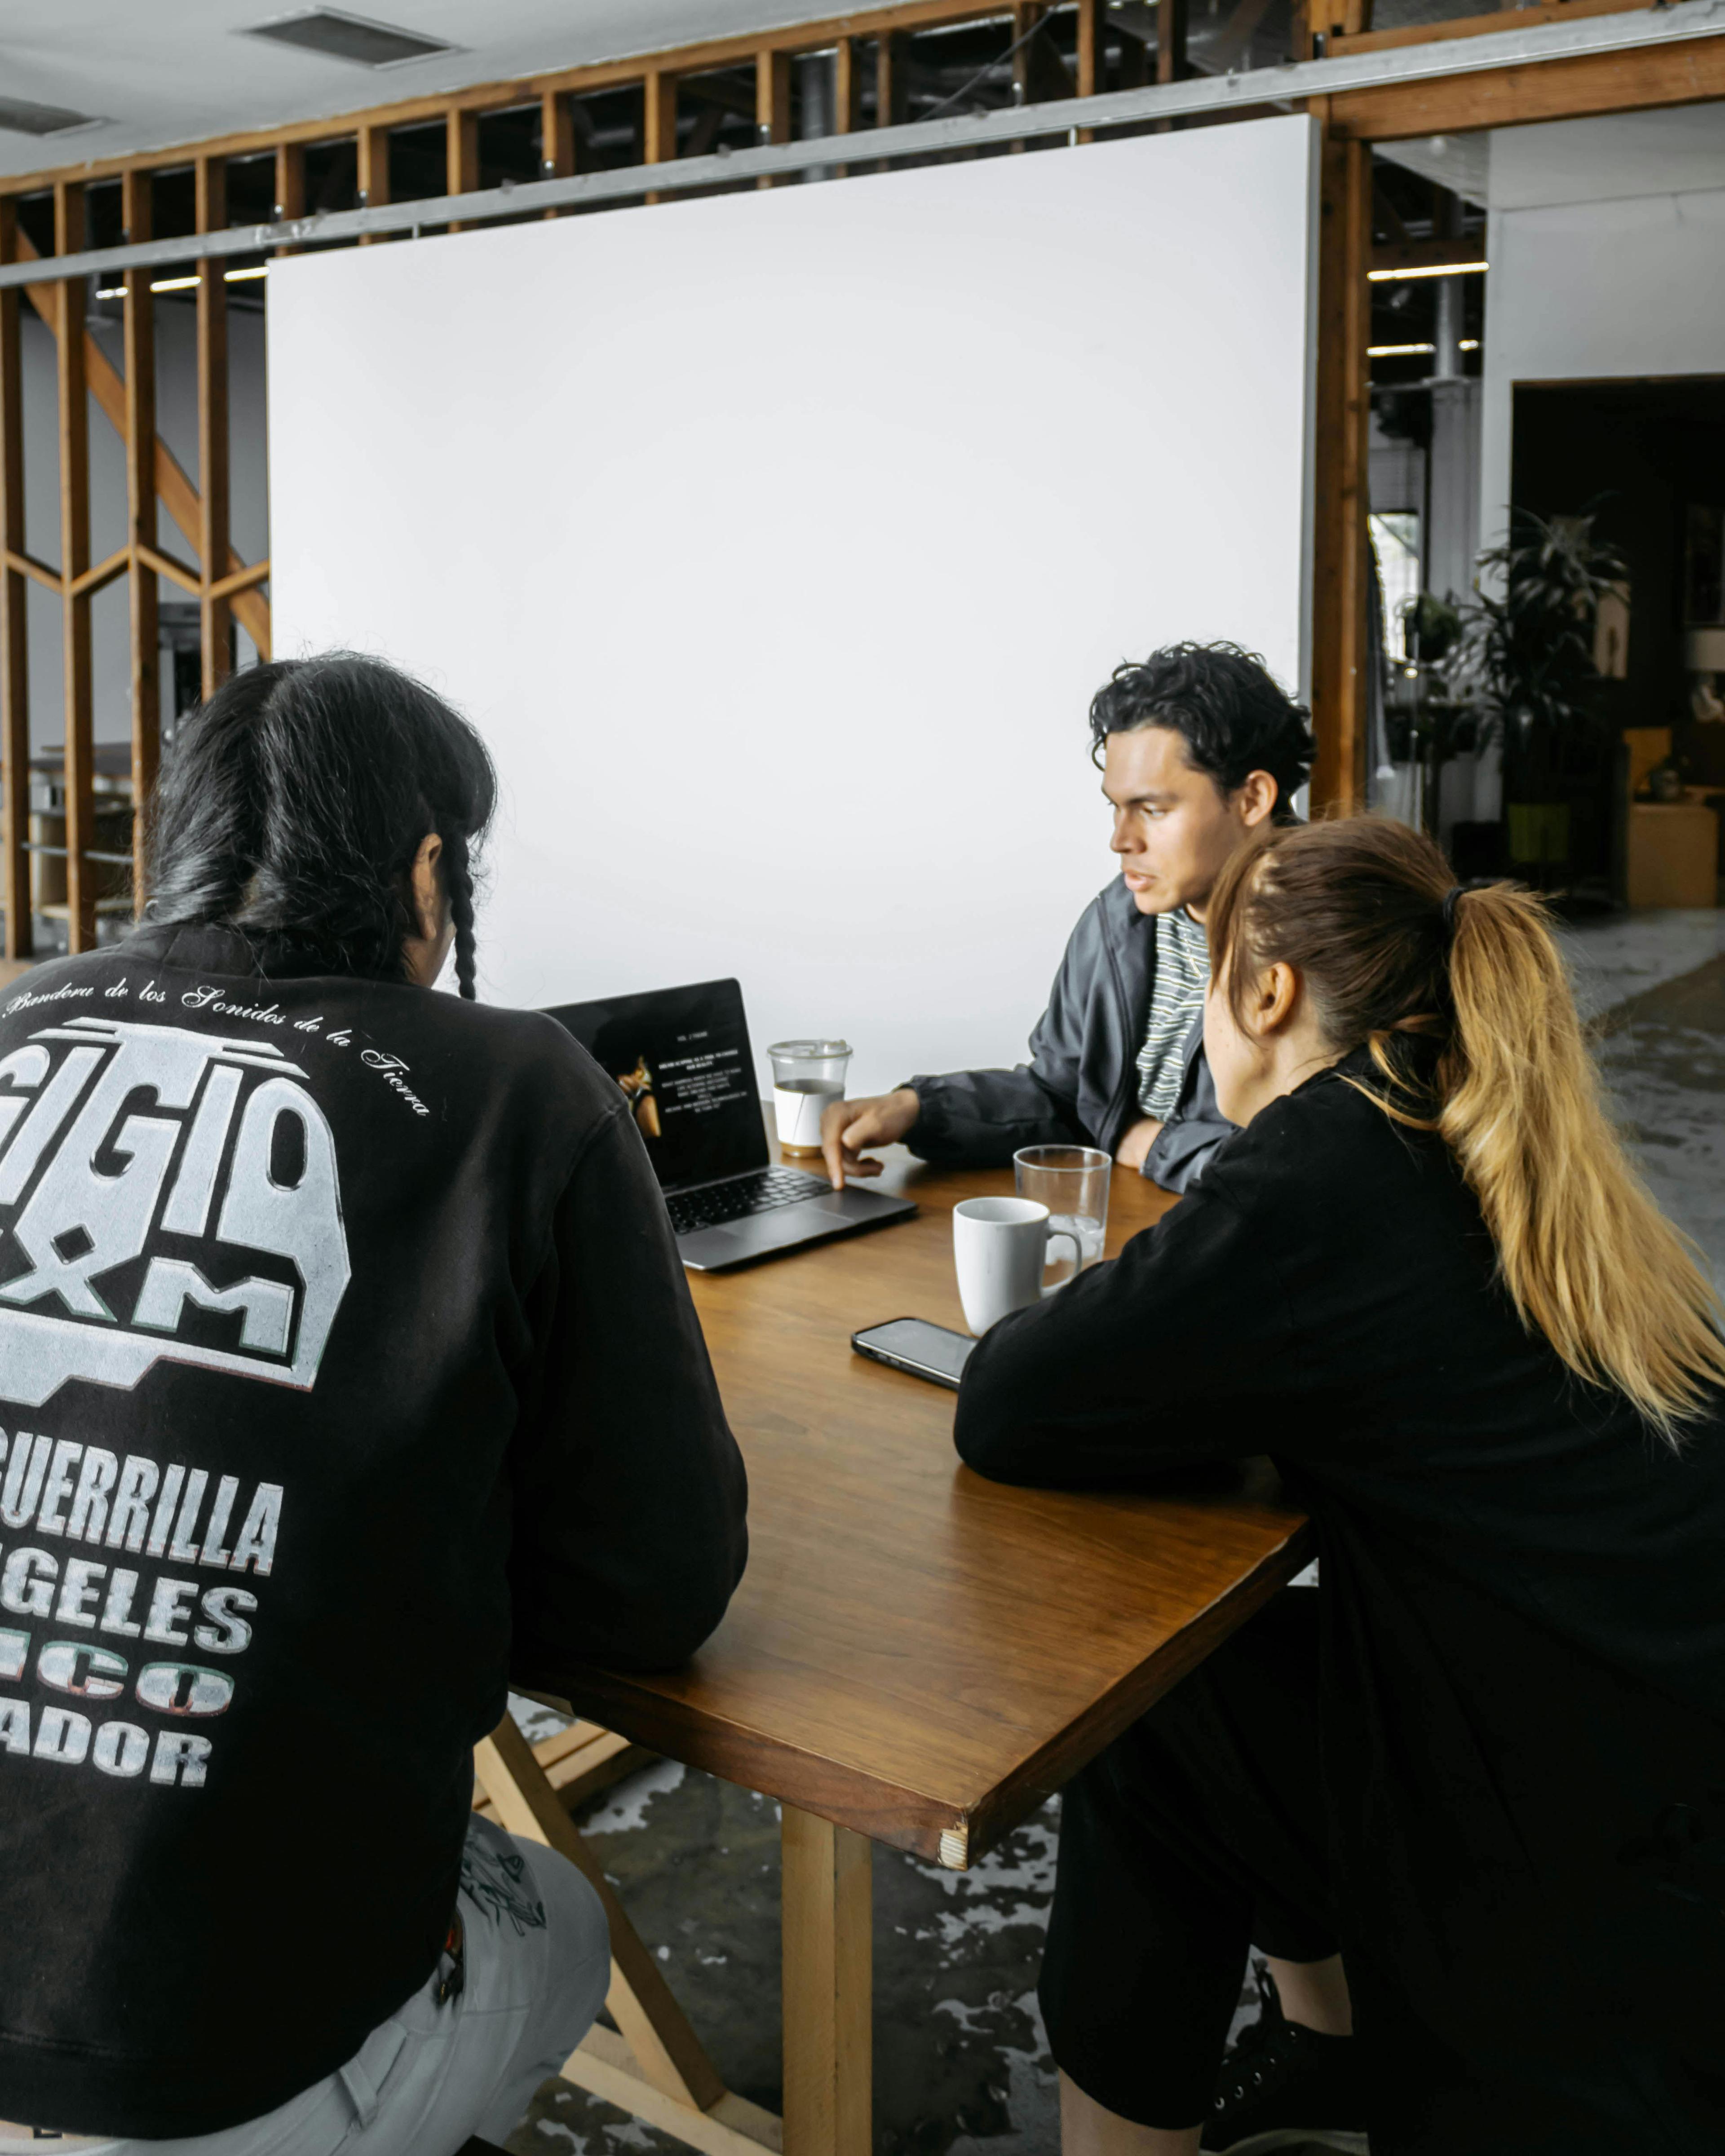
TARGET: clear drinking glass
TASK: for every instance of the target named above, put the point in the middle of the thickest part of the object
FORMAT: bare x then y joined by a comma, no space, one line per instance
1072,1181
806,1075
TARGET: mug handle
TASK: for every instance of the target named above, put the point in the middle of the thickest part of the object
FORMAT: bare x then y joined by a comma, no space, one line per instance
1064,1236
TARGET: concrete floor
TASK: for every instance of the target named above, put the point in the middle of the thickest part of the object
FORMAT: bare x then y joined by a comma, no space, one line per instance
961,2065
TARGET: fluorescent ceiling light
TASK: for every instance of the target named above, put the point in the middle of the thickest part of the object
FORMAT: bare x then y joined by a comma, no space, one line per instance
1428,269
21,117
1413,351
186,284
355,37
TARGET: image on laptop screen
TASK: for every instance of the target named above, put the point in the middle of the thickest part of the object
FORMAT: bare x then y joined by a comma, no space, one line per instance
682,1057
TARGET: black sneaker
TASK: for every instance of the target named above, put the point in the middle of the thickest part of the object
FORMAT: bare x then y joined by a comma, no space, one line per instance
1283,2086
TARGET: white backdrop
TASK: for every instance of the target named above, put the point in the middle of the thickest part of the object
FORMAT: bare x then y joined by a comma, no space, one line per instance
777,541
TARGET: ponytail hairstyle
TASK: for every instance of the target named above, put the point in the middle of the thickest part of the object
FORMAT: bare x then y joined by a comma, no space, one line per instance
1392,953
295,801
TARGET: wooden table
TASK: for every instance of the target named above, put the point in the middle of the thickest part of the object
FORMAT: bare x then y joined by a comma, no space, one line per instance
916,1655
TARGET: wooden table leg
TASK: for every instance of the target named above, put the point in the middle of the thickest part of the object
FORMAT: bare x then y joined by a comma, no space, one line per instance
829,1987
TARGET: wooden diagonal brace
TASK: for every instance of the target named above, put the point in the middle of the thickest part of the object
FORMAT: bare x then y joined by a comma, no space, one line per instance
666,2049
179,497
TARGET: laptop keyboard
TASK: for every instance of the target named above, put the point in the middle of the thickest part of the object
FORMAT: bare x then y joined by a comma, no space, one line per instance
742,1196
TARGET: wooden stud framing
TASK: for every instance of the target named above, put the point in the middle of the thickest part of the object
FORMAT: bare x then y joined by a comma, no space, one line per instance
140,441
14,650
290,185
461,152
1171,40
75,560
847,88
556,138
370,173
658,120
1092,54
216,610
773,99
1341,662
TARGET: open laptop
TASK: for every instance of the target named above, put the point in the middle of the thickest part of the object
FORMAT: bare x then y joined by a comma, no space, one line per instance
683,1061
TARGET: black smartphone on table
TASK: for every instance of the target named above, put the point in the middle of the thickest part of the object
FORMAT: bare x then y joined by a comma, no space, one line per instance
933,1351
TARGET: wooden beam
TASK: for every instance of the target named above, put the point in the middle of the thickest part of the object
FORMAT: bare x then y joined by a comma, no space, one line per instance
640,2000
27,565
1171,41
14,647
1643,78
102,575
605,2067
847,88
773,100
1476,26
460,153
371,173
77,659
659,121
1092,54
290,186
892,86
1170,49
578,1762
216,613
1341,664
827,1987
558,153
164,565
772,96
139,439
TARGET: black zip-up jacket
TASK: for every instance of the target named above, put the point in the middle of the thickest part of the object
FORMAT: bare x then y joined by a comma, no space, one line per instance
346,1369
1523,1691
1081,1086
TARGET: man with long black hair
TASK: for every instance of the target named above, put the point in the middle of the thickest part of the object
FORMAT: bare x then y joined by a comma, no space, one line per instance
1199,748
346,1363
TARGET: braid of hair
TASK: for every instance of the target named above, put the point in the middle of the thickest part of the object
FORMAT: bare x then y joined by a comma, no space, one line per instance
459,880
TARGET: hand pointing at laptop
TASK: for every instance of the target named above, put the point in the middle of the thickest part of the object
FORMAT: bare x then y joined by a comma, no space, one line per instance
849,1126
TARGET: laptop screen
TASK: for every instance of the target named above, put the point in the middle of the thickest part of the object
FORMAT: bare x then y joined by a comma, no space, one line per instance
681,1056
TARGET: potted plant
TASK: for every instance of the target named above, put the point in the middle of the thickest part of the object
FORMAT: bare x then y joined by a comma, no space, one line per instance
1525,659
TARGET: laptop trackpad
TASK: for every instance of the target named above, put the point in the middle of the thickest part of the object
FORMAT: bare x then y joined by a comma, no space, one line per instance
760,1233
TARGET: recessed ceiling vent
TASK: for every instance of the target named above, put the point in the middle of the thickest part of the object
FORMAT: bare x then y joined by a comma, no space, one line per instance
19,114
351,37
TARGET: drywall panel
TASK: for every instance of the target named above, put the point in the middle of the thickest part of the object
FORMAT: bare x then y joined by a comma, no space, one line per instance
777,542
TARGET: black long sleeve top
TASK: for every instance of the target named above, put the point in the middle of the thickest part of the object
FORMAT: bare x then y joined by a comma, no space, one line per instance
1523,1696
347,1369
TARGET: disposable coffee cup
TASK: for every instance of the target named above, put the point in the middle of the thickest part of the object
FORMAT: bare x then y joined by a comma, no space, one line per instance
806,1076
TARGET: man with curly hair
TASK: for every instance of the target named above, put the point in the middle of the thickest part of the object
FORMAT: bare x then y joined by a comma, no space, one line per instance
1199,748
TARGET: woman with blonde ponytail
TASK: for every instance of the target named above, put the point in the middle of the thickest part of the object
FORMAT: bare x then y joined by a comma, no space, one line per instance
1471,1793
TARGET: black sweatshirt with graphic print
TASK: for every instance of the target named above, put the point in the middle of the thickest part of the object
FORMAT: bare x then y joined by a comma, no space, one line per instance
346,1369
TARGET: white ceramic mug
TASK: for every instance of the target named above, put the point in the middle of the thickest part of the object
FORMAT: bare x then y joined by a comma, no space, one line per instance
1000,1248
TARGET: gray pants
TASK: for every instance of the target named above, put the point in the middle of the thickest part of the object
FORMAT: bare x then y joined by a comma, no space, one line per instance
538,1961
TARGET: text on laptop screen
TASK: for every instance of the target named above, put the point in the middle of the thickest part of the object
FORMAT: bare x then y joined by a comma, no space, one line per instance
681,1057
